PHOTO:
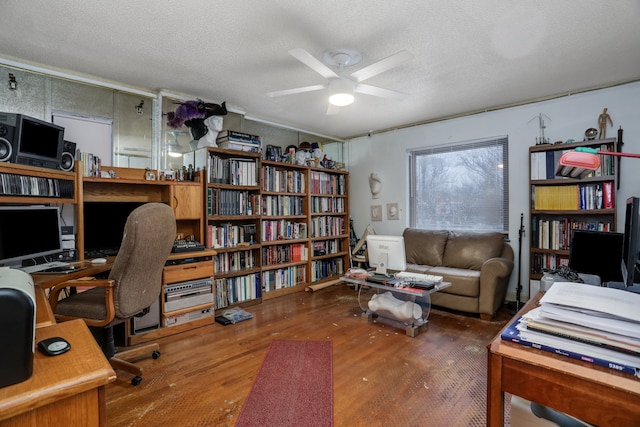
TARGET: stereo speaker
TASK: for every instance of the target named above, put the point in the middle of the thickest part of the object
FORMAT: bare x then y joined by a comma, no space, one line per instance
68,158
6,141
17,326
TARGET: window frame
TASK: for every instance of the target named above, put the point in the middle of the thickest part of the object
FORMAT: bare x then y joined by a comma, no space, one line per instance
414,154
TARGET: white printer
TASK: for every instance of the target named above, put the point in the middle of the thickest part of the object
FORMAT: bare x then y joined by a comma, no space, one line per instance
17,326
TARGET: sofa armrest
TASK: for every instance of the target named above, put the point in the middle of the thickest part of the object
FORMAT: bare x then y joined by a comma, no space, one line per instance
494,281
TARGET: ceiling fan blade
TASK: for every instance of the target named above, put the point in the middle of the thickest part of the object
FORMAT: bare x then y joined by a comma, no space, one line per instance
382,65
332,110
381,92
295,90
310,61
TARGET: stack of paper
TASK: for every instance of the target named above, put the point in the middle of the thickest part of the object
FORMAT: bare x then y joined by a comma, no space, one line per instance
595,324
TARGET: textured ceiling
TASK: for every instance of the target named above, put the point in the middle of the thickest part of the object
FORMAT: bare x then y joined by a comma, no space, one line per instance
467,55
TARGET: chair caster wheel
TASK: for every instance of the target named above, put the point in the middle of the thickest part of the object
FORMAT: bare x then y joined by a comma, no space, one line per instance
155,354
136,380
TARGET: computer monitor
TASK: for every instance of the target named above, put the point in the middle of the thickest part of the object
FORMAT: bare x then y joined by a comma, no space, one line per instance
596,252
29,234
386,253
104,225
631,240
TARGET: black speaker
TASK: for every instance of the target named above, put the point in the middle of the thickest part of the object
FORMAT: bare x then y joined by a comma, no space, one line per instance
68,158
17,326
7,131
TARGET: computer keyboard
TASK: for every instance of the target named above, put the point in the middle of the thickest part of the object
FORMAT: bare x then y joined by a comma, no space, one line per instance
45,266
382,279
418,277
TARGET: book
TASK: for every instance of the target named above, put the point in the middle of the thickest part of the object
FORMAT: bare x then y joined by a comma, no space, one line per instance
512,334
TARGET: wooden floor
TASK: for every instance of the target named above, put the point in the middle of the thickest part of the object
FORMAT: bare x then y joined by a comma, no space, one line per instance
381,376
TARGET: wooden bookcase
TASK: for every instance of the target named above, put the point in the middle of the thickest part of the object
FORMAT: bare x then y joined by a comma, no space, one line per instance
298,208
232,212
558,204
328,224
130,185
29,185
284,228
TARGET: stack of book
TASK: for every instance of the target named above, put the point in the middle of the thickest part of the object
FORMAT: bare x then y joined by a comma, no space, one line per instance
590,323
239,141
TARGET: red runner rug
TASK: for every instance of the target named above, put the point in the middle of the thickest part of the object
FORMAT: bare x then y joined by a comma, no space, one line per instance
293,388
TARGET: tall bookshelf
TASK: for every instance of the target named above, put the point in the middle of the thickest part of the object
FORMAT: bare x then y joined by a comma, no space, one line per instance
232,196
284,228
558,204
328,224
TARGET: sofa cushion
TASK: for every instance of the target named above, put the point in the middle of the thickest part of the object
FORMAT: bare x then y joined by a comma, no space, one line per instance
424,247
470,250
464,282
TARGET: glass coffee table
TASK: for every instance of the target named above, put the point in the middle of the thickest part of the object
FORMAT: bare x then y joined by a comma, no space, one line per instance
402,306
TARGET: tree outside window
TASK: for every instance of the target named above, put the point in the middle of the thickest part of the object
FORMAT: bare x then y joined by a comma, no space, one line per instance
461,186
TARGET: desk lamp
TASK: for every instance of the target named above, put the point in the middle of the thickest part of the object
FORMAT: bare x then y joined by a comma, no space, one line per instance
584,160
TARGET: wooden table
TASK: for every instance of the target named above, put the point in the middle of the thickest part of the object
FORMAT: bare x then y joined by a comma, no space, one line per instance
66,390
594,394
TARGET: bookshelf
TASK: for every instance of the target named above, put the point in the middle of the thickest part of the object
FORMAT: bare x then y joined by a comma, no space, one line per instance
559,205
21,184
232,195
284,227
328,224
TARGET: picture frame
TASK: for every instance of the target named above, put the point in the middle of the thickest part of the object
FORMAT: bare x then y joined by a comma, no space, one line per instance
376,212
393,213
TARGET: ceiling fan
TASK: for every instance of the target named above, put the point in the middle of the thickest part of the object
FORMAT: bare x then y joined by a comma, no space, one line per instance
342,86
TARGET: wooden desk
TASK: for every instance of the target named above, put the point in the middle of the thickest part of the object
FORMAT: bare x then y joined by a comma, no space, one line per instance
66,390
48,280
597,395
44,314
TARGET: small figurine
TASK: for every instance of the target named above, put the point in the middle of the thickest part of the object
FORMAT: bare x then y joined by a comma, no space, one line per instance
602,123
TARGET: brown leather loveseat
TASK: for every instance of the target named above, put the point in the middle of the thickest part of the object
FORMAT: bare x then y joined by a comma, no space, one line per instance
478,265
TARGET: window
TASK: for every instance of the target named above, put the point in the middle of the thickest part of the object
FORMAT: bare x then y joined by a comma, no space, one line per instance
461,186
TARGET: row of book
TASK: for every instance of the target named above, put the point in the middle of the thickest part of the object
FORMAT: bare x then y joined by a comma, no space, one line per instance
556,234
327,205
284,277
545,163
324,247
283,254
91,164
324,183
231,171
283,180
323,269
233,290
573,197
239,141
324,226
229,235
542,262
227,262
232,202
594,324
274,230
21,185
282,205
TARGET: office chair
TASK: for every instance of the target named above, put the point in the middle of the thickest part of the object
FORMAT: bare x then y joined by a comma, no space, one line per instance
134,284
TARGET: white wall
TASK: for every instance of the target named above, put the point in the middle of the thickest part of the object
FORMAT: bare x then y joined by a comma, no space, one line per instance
569,116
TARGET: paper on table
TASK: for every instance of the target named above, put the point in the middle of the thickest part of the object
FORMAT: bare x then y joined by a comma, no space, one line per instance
535,320
595,300
616,326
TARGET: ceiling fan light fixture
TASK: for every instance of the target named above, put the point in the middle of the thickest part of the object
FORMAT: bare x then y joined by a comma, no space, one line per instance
341,92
